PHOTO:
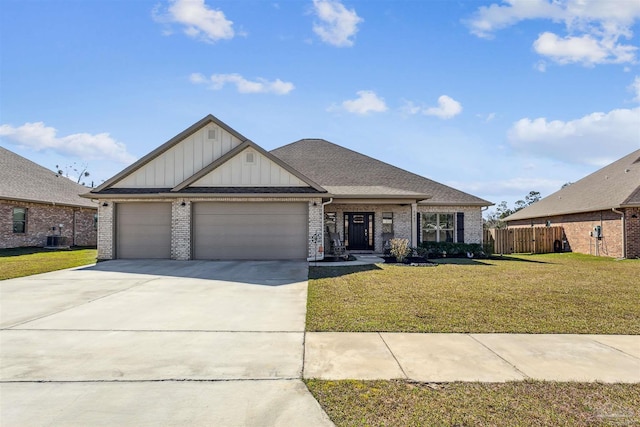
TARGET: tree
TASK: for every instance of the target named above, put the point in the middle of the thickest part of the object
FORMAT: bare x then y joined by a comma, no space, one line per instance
495,218
74,169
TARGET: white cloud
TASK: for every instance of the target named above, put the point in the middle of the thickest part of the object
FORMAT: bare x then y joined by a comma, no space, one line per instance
486,117
366,102
260,85
446,109
337,25
585,49
596,139
199,21
594,28
85,146
635,88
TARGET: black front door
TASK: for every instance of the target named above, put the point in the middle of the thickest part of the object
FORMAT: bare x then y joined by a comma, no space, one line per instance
359,228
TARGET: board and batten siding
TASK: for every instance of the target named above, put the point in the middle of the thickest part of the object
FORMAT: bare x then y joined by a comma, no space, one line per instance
182,160
237,171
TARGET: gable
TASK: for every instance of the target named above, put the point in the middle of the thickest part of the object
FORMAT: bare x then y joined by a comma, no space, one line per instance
183,159
249,168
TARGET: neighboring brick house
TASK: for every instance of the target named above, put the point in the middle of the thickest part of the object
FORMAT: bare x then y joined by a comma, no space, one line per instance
35,202
600,213
210,193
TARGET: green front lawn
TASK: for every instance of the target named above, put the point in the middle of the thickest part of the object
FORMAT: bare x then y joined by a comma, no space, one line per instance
523,403
553,293
20,262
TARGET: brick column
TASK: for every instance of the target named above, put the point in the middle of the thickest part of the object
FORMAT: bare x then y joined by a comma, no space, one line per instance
181,230
316,223
414,225
105,229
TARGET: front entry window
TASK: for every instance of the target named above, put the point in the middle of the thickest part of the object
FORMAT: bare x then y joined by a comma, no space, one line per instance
438,227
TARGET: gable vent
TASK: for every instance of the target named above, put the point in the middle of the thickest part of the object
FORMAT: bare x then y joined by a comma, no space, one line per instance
250,157
211,134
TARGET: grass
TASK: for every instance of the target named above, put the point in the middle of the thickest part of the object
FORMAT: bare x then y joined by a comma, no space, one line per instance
554,293
20,262
524,403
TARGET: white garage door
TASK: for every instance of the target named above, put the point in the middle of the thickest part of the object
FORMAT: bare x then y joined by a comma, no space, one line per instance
143,230
250,230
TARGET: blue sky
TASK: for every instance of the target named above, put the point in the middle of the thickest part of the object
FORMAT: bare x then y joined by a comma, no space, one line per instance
494,98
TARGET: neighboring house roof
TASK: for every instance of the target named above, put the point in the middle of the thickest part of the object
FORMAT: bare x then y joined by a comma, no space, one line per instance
23,180
614,186
347,173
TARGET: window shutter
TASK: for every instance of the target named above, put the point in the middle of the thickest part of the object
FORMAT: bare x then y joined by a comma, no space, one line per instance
460,227
418,230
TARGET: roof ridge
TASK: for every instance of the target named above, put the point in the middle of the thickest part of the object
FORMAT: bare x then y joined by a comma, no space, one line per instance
368,159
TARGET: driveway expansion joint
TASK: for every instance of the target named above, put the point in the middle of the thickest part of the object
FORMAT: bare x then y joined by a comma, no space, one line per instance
78,305
394,356
616,348
526,377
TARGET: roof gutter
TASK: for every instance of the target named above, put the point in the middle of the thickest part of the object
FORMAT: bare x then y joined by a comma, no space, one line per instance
624,233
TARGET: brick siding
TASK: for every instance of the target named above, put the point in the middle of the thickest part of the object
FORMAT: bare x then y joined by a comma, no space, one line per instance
181,222
77,224
577,229
402,219
632,223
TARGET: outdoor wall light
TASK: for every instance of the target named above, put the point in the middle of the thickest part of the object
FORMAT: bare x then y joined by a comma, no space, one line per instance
105,204
183,204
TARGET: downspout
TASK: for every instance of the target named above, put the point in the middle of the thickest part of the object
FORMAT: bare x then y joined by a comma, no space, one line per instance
322,233
624,232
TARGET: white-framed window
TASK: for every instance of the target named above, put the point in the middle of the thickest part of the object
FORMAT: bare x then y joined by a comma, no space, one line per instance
20,220
438,227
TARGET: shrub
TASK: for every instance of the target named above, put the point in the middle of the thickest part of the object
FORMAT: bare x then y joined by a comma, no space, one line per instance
450,249
400,249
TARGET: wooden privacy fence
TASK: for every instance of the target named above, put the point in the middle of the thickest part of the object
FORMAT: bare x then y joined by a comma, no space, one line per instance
534,240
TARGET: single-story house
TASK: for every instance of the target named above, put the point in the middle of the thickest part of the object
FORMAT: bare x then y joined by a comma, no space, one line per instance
211,193
600,213
36,203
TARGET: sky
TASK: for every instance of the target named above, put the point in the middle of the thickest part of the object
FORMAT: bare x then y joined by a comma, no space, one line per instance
495,98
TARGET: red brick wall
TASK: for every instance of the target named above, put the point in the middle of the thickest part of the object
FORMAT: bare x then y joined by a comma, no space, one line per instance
578,226
40,219
633,232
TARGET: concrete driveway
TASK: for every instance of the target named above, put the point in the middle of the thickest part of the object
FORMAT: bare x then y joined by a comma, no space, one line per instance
156,343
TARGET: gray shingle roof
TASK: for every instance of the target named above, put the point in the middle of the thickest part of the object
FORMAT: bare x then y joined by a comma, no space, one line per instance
21,179
335,167
614,186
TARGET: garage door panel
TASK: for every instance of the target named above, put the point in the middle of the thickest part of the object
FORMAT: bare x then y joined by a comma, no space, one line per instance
250,230
143,230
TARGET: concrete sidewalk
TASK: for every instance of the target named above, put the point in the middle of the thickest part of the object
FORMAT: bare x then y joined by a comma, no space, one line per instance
472,357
